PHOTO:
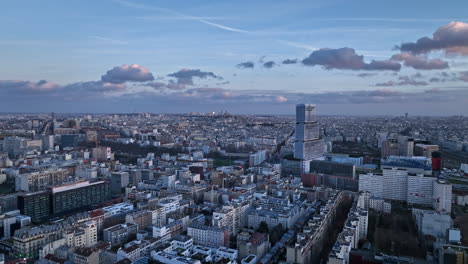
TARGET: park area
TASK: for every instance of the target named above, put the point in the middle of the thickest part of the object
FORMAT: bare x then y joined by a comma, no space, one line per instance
395,234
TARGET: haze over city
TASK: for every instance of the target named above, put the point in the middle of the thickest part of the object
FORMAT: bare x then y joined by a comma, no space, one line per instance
245,57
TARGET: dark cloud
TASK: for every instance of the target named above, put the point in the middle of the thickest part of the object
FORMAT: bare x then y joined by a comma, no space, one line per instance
417,75
419,62
184,79
463,76
366,74
347,59
290,61
402,80
447,74
185,76
451,38
269,64
156,85
170,85
246,65
127,73
41,86
93,88
382,65
49,89
435,79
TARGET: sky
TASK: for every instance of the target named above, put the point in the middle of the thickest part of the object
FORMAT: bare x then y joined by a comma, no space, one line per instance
247,57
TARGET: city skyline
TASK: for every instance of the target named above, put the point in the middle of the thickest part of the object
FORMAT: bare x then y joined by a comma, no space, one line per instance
263,57
229,189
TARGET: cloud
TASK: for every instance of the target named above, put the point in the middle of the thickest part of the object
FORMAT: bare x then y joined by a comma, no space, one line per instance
447,75
221,95
381,96
127,73
418,75
92,88
366,74
269,64
86,96
420,62
297,44
170,85
111,83
184,79
281,99
451,38
41,86
347,59
262,59
156,85
246,65
50,89
185,76
403,80
463,76
290,61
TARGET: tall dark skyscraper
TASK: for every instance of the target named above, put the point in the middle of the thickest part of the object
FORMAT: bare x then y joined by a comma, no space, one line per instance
307,145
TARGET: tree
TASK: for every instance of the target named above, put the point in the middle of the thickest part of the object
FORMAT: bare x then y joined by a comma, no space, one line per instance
276,233
263,227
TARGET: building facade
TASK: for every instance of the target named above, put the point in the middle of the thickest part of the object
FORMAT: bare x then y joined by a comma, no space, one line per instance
39,181
73,196
208,236
307,145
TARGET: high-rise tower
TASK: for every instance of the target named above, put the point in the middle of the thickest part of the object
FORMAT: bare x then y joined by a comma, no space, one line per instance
307,145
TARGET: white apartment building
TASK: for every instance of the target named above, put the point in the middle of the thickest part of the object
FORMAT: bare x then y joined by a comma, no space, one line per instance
442,196
39,181
372,183
420,190
83,236
168,181
169,205
395,184
158,216
233,217
208,236
226,253
257,158
363,223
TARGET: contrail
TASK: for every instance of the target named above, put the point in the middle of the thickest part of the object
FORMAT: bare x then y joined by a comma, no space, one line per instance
206,22
166,10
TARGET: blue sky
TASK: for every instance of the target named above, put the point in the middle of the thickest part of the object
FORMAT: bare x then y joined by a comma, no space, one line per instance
189,56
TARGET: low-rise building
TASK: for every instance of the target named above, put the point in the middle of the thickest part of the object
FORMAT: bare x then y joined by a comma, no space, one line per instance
119,234
257,244
86,256
172,259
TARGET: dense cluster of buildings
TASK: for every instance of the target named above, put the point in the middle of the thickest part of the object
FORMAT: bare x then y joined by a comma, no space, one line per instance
221,188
